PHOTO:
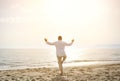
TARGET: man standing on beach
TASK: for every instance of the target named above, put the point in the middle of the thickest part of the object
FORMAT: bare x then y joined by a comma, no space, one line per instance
61,55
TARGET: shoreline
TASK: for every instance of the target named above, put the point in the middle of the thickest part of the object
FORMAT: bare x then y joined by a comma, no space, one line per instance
66,64
107,72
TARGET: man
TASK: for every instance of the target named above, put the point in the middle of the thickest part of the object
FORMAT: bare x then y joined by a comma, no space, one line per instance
60,52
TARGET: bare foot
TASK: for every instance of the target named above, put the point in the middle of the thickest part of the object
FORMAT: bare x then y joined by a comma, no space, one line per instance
61,74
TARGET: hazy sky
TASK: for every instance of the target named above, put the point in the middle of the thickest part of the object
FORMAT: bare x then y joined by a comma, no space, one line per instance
25,23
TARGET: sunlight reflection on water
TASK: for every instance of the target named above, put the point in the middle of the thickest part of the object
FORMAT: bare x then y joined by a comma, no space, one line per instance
30,58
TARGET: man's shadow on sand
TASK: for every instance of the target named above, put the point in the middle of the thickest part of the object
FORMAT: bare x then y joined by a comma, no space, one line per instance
59,78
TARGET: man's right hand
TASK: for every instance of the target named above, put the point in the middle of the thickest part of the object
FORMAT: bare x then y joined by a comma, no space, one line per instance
73,40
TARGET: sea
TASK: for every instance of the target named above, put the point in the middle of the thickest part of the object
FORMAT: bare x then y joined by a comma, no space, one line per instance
46,57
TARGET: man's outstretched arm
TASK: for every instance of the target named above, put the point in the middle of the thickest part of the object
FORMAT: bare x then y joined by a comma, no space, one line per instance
69,44
49,43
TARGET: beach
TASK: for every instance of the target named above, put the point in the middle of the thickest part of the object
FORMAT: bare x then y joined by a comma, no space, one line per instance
108,72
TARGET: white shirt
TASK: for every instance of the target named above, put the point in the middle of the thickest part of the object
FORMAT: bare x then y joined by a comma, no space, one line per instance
60,46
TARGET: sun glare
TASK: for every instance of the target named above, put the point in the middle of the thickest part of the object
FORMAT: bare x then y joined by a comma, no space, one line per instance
67,11
87,21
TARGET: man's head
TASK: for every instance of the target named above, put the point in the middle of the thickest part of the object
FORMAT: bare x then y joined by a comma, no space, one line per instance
59,37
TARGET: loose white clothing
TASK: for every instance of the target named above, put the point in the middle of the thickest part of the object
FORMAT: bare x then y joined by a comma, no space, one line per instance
60,47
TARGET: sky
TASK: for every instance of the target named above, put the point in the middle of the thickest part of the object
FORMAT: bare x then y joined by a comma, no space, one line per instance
25,23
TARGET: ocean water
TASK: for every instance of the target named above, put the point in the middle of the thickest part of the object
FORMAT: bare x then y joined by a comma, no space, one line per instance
37,58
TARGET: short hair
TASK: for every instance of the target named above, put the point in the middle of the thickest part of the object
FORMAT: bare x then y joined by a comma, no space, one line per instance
59,37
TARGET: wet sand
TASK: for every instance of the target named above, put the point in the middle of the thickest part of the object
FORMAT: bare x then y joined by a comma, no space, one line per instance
109,72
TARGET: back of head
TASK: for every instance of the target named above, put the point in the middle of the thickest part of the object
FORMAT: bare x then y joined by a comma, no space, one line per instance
59,37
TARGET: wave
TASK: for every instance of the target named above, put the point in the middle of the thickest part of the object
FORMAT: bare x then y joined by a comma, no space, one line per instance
90,61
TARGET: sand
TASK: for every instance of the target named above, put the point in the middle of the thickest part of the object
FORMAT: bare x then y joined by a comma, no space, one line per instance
79,73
